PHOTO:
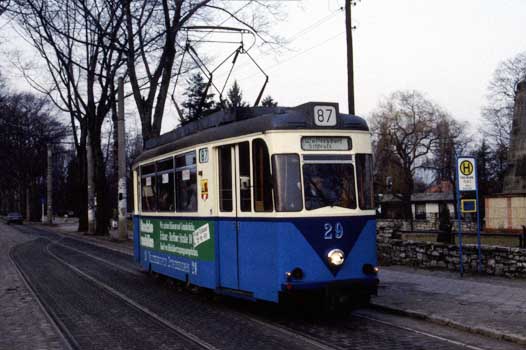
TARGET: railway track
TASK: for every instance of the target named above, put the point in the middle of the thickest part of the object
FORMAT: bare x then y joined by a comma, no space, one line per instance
88,270
85,312
233,324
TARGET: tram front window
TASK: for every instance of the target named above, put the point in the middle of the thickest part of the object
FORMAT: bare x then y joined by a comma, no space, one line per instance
329,185
287,184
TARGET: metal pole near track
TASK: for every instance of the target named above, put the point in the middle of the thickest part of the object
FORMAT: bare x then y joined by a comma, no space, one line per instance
49,184
123,225
459,220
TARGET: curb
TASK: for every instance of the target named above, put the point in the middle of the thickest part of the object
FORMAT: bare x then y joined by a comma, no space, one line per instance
488,332
86,239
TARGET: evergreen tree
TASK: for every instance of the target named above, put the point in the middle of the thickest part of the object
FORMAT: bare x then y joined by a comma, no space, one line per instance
235,97
194,93
269,102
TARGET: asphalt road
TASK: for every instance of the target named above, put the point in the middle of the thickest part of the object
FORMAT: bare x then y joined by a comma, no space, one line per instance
99,299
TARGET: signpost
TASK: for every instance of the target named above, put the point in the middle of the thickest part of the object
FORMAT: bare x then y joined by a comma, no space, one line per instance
467,201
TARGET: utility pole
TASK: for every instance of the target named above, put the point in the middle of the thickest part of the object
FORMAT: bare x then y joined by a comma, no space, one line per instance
350,66
123,230
28,203
49,184
91,186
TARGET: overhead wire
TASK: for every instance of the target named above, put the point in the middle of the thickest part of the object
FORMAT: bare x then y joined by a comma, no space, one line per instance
291,39
303,31
324,42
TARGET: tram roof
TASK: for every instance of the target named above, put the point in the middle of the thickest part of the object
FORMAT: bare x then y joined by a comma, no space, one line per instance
243,121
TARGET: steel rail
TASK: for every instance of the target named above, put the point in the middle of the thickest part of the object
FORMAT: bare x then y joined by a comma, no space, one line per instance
187,335
427,334
62,331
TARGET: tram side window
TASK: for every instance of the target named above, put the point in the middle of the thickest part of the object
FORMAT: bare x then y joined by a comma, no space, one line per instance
364,174
148,188
225,179
186,183
244,176
262,179
165,184
287,182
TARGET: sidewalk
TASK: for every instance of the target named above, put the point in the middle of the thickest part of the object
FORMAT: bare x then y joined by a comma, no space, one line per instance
23,323
70,229
487,305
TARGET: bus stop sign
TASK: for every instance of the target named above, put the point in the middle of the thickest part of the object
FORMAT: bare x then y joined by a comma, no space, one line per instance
467,180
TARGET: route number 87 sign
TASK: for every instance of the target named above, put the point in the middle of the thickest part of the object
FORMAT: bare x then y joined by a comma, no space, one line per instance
324,116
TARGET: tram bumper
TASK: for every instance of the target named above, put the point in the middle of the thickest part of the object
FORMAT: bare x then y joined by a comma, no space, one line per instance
343,288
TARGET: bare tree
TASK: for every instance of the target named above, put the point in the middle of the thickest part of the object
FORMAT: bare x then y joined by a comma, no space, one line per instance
154,41
78,42
27,126
453,139
404,126
4,4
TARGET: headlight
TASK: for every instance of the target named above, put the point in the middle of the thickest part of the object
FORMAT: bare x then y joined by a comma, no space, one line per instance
369,269
336,257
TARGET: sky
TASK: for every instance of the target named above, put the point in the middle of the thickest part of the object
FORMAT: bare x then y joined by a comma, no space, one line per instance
446,49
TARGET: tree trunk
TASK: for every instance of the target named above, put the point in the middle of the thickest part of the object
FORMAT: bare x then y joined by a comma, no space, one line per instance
82,185
28,202
82,188
407,197
90,165
145,113
99,169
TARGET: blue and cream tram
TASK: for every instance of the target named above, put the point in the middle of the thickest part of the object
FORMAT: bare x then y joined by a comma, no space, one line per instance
260,202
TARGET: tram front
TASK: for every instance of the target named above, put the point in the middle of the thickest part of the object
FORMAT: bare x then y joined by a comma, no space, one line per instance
323,189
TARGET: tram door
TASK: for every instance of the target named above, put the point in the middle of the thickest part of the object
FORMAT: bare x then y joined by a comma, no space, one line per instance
234,197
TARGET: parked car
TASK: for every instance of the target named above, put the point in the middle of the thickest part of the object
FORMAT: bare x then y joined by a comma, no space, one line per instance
15,218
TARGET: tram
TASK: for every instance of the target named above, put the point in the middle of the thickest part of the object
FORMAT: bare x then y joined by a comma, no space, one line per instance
260,203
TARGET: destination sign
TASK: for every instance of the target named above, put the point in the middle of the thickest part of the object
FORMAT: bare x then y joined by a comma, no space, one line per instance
325,143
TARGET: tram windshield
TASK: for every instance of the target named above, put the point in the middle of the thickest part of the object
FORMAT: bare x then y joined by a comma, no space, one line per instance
329,184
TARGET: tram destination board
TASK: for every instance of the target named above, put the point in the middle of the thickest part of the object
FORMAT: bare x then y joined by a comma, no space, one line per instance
326,143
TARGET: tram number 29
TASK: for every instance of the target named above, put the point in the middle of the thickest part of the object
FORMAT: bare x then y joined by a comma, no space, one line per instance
324,115
333,231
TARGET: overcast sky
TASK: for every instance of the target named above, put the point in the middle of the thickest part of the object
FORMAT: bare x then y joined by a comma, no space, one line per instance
447,49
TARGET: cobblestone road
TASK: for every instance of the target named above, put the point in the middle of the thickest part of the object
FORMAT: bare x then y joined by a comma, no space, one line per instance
98,319
23,324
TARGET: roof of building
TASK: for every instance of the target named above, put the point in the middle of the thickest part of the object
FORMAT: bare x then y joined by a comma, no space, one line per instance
442,186
243,121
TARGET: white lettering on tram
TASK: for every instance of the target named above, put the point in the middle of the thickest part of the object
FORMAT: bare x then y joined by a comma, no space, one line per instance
147,241
201,235
146,227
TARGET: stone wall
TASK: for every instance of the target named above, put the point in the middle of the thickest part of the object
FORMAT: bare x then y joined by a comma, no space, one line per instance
432,225
498,261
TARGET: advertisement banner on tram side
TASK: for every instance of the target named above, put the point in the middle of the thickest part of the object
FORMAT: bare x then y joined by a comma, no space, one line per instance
193,239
